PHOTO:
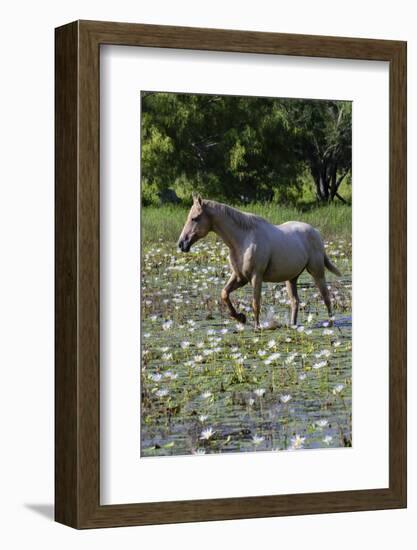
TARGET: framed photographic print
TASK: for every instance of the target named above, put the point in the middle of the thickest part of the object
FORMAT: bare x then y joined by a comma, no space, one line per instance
230,274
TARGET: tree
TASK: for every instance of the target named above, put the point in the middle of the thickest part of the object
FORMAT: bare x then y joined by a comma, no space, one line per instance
325,138
243,149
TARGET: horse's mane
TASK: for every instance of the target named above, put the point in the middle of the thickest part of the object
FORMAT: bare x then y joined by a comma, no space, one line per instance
244,220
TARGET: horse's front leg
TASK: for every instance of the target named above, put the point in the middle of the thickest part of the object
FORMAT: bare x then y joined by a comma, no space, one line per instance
256,301
233,284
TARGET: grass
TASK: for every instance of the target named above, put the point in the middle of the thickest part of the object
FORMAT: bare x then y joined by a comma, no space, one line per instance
166,222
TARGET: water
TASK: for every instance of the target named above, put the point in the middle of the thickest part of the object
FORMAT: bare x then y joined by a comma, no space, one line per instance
207,386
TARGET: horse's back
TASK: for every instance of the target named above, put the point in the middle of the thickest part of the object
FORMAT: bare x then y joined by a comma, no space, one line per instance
302,231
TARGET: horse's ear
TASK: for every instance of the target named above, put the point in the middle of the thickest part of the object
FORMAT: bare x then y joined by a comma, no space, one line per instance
198,200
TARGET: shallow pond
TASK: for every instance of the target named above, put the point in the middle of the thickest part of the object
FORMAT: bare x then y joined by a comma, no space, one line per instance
210,385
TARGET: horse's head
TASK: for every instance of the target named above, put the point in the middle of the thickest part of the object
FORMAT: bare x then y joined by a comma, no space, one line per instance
196,227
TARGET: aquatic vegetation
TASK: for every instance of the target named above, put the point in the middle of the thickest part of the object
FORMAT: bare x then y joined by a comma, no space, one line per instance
211,385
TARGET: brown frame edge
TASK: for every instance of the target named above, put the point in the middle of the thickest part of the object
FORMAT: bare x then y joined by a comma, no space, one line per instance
77,377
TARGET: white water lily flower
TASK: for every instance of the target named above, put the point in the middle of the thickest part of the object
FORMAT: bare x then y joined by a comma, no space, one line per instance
207,433
285,398
259,392
162,393
338,388
167,325
155,377
328,439
337,344
297,442
202,418
257,439
319,365
327,332
302,376
308,332
323,352
199,452
206,395
198,358
271,343
251,401
310,318
290,359
322,423
185,344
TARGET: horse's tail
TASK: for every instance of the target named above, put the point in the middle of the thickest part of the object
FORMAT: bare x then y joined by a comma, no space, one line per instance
331,267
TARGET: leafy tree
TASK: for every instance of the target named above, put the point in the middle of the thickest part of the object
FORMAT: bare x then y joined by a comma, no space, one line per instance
240,148
324,144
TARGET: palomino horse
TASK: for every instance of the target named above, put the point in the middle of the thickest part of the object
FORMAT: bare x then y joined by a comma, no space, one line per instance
260,252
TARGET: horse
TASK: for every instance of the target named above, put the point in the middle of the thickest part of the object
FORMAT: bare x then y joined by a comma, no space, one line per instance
260,252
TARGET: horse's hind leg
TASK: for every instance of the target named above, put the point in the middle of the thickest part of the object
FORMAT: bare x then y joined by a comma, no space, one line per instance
233,284
324,291
316,270
294,299
256,301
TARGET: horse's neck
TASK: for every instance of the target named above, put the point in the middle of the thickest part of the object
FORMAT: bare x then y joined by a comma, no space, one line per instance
232,235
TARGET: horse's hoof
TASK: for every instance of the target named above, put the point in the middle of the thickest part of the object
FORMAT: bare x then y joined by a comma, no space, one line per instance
241,318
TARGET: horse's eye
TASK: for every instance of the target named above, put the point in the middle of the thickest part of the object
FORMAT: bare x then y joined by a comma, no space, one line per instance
195,219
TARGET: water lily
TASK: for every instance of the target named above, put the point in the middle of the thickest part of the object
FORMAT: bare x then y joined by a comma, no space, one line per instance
259,392
327,439
207,433
257,439
322,423
206,395
162,393
297,442
199,452
285,398
319,365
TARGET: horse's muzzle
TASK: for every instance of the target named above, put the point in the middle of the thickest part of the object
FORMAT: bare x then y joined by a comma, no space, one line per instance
184,245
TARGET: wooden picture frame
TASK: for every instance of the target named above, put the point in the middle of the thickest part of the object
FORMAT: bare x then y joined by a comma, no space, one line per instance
77,374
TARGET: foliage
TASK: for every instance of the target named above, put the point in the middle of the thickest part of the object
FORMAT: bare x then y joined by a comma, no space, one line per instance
243,149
